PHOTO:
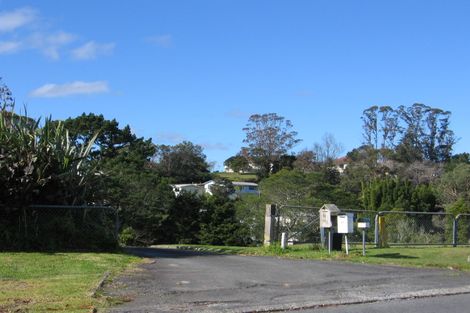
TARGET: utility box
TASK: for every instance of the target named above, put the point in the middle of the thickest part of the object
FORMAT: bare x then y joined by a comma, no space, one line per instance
346,223
326,211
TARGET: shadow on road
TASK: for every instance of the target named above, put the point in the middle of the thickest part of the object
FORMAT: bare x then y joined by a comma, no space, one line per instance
394,256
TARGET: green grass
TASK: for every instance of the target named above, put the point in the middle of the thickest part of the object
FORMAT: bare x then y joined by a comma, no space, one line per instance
238,177
60,282
441,257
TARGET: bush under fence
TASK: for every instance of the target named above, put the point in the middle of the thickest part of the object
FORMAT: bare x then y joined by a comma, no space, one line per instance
58,227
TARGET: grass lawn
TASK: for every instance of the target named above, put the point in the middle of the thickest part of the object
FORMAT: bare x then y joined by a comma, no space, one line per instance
238,177
441,257
61,282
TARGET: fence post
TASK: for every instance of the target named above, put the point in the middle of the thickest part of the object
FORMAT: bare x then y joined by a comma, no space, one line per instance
376,231
454,231
269,222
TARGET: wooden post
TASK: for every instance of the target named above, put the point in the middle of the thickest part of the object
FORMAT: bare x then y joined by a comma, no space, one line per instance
269,224
382,233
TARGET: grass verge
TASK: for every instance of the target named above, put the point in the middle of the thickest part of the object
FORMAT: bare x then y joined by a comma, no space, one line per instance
60,282
440,257
238,177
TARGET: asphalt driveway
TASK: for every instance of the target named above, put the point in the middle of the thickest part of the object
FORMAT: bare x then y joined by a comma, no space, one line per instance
184,281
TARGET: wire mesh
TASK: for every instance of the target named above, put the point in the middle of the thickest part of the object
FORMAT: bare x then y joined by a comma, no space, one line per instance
49,227
417,228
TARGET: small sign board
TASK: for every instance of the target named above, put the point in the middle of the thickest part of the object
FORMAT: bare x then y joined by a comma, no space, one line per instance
363,223
346,223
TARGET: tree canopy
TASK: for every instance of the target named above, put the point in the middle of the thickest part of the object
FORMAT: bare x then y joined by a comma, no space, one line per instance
269,136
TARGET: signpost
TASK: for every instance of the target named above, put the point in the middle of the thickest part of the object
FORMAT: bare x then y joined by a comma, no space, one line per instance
363,223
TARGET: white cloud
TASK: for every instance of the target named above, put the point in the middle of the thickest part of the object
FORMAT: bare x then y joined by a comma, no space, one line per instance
165,41
70,89
170,137
9,21
9,46
214,146
91,50
51,44
238,114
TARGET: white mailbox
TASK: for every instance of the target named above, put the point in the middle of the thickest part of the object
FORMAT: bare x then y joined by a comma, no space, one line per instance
325,213
346,223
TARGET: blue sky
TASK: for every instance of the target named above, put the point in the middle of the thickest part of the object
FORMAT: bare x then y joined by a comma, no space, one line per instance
196,70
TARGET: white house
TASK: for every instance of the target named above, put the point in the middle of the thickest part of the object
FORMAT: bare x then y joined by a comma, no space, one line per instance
197,189
241,188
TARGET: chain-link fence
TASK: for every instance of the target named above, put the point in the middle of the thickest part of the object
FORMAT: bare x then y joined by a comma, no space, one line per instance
302,224
462,230
58,227
387,228
414,228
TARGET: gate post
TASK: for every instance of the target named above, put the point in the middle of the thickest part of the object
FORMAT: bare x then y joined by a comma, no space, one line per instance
455,225
269,224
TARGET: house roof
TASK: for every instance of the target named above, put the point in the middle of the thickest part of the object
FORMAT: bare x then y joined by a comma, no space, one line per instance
242,183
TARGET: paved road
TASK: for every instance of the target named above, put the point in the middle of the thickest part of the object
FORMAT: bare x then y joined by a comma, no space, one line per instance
442,304
183,281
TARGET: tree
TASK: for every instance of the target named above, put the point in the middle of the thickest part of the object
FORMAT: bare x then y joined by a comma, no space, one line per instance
369,118
455,185
222,188
182,163
110,138
306,161
269,136
237,163
328,149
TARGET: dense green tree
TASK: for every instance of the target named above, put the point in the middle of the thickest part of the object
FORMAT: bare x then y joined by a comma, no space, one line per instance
182,163
392,193
220,225
222,188
237,163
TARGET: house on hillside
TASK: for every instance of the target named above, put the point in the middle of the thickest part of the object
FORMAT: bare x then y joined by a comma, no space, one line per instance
197,189
241,188
341,164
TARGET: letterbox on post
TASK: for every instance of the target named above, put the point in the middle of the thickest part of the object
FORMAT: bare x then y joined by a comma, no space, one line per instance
363,224
346,223
346,226
326,212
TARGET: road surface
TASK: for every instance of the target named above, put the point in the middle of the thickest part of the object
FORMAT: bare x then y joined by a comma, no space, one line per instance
185,281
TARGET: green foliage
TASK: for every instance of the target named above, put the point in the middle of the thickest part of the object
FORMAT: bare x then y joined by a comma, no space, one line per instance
393,193
455,185
41,164
182,163
219,224
222,188
237,163
250,210
184,219
128,236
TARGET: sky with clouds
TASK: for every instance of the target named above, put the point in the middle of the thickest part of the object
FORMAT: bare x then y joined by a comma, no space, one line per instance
196,70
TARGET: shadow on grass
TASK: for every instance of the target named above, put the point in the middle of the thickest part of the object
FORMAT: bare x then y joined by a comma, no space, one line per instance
394,256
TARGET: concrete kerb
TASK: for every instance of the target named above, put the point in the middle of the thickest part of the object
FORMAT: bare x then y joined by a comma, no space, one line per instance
431,293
